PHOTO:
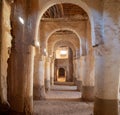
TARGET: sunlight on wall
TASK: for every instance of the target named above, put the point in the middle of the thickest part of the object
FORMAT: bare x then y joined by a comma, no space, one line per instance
62,53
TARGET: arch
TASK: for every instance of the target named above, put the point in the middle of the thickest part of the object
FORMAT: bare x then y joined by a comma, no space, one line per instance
61,72
79,3
69,29
67,43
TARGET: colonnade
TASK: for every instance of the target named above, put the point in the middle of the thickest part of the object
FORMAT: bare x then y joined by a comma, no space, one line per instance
20,68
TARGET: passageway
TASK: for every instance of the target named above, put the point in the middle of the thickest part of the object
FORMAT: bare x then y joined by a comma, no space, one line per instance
63,100
64,92
62,108
59,57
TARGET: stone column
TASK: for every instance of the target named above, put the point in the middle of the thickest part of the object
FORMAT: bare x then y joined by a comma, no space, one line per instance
52,72
47,75
79,77
107,74
75,71
88,80
88,67
39,86
107,62
29,81
5,46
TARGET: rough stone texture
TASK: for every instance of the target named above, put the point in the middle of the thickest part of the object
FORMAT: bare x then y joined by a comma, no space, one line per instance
16,61
5,49
20,64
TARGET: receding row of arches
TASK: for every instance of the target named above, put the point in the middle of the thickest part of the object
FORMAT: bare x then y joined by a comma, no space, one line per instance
45,47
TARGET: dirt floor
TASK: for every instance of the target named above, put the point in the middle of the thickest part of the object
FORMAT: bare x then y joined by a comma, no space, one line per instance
63,92
62,108
63,100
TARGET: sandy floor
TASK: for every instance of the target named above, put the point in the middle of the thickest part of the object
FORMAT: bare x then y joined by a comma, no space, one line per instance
63,100
63,92
62,108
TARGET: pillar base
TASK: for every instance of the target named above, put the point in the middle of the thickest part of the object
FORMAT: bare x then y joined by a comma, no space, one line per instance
106,107
16,113
39,93
75,81
28,105
52,81
88,93
47,85
4,109
79,85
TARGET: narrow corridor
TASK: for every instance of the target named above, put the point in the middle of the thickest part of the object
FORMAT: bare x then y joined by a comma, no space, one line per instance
63,100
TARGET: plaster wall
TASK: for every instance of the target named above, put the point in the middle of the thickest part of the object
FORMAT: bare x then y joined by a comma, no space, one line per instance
107,54
5,48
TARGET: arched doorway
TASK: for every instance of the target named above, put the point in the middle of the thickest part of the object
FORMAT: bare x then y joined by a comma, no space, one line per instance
61,75
60,72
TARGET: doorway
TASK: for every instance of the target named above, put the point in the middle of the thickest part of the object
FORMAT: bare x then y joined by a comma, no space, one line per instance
61,75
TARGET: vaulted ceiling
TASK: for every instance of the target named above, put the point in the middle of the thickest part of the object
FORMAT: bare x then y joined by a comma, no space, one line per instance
64,11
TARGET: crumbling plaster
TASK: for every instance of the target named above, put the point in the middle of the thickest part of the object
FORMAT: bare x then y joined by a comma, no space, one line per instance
5,48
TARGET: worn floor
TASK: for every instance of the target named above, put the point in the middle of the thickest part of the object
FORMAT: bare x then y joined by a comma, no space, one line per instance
62,108
63,100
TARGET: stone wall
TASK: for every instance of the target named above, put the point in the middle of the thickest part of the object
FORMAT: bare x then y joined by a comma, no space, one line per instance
5,48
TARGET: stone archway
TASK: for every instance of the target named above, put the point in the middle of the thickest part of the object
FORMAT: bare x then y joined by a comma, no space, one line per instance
84,5
61,75
78,31
80,40
98,45
53,43
61,72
